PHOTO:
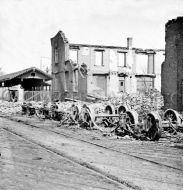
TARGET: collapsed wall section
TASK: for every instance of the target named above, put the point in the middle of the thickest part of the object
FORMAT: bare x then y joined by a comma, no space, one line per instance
172,68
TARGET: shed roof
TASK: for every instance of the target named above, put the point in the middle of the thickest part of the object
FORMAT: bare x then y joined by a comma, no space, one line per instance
18,74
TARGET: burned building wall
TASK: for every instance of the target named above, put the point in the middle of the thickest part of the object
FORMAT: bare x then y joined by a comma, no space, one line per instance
172,68
60,53
110,69
98,68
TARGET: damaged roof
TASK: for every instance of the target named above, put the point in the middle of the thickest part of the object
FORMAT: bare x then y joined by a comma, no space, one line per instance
120,48
96,46
125,49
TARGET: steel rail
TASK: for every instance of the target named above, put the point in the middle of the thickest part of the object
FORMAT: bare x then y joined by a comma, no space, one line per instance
98,145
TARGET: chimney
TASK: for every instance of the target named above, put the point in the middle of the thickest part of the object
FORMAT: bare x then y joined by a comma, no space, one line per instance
129,42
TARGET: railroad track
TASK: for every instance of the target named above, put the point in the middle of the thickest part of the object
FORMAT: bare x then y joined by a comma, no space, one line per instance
99,145
112,178
117,175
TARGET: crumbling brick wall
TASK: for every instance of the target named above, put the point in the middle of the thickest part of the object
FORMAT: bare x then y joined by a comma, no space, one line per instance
172,68
60,53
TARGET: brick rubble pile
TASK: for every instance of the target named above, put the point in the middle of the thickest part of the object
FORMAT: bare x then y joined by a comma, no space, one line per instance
151,100
10,108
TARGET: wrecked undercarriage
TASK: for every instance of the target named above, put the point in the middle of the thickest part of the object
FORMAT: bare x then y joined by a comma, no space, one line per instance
119,119
136,117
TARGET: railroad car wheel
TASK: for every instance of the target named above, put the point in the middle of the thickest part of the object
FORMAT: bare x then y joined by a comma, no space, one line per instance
122,109
131,121
75,112
91,111
31,111
154,126
24,108
173,116
86,116
109,109
39,113
132,116
87,119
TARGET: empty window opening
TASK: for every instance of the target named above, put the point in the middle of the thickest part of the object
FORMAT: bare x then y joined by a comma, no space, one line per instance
99,58
121,59
73,55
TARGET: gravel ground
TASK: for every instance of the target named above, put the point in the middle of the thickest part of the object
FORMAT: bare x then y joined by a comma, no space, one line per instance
163,151
137,173
25,166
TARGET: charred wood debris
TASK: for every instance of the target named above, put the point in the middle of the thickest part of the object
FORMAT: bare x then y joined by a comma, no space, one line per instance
137,116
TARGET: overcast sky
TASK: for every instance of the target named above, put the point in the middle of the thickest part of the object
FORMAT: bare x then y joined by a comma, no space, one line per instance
26,26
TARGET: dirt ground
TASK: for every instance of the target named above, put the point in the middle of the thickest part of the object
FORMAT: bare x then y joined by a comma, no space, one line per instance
137,164
164,151
25,166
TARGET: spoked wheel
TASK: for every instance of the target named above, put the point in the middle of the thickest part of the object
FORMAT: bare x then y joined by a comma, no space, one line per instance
154,126
109,109
174,120
173,116
87,120
31,111
86,117
132,117
39,113
131,120
122,109
75,112
24,109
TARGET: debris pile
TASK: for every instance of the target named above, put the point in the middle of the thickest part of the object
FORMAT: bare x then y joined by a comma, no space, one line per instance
138,116
151,100
10,108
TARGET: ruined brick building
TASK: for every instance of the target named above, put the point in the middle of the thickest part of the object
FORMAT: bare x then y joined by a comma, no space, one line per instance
172,68
81,71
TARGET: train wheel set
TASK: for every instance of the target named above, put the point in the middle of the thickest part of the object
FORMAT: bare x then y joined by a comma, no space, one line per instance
120,119
125,121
